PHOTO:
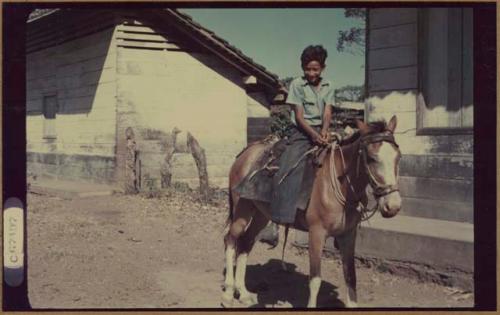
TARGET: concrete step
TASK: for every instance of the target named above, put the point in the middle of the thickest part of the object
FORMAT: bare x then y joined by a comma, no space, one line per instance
69,189
448,210
435,244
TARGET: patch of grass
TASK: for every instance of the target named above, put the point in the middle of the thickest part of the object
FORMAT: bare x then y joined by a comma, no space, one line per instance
151,190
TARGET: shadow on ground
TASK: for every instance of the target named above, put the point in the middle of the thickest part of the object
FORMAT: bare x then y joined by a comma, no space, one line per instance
290,288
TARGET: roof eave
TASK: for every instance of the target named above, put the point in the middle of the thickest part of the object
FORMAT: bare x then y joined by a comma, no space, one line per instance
220,49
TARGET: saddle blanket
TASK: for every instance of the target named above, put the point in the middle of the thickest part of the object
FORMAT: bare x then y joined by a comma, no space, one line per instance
257,185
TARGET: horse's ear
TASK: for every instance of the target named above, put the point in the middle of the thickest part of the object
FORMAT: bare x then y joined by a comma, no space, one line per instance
392,124
363,128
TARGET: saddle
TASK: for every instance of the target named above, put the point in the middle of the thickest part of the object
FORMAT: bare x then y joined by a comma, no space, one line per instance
257,185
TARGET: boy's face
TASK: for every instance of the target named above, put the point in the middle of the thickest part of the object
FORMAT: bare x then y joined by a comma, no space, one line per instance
312,71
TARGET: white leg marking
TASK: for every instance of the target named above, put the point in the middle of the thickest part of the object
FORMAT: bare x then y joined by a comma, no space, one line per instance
241,266
246,297
230,253
314,285
227,296
350,303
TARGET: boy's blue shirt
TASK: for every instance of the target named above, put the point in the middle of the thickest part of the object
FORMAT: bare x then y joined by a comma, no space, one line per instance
301,93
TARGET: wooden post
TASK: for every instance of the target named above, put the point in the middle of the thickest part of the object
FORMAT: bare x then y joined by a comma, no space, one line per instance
166,166
201,162
166,169
130,163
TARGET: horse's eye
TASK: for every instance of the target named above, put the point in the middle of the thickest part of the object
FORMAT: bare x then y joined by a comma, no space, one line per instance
370,159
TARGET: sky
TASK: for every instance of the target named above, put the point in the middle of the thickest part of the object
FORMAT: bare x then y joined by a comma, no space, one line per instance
275,38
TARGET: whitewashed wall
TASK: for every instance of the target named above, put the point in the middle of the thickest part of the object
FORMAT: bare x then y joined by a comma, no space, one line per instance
258,105
130,75
82,73
194,92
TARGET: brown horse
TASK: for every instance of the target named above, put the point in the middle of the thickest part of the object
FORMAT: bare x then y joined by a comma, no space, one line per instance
333,210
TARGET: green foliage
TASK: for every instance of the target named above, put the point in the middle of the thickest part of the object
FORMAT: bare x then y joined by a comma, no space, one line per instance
281,123
356,13
353,40
350,93
286,82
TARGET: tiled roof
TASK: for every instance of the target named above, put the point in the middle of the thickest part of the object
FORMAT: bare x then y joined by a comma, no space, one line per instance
205,37
40,13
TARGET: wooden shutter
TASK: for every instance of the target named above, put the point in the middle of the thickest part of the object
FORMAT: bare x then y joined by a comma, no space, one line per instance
467,69
447,70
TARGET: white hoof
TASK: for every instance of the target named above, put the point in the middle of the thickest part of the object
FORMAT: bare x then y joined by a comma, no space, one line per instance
314,285
247,298
351,304
227,299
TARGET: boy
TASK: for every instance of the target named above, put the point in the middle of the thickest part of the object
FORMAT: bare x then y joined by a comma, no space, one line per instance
312,99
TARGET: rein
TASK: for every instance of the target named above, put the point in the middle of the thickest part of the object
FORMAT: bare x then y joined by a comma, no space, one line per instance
379,190
364,211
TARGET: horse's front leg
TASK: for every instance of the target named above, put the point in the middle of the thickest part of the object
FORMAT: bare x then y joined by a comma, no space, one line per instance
346,246
317,236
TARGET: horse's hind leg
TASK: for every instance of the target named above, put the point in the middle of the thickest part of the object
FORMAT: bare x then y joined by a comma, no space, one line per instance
244,245
317,236
242,216
346,246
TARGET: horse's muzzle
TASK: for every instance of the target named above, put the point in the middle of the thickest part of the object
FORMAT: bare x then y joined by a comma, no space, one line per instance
390,205
388,213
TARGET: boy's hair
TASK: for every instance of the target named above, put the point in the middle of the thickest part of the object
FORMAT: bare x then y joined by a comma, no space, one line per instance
314,53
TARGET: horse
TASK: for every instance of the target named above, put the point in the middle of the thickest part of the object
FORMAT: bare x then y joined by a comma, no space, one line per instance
338,194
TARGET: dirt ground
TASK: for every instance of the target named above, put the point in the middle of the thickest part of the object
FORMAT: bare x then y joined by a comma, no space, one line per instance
167,252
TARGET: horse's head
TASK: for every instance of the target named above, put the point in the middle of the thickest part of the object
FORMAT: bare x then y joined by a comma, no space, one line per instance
380,155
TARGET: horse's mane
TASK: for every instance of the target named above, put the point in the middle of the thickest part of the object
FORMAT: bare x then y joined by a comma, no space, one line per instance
377,126
374,127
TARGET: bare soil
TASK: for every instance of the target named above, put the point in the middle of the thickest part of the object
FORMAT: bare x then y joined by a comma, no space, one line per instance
124,251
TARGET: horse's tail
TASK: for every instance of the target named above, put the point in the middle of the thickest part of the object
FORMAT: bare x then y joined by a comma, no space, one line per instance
287,228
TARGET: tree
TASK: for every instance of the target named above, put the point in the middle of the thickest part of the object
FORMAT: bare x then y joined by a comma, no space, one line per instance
286,82
353,40
350,93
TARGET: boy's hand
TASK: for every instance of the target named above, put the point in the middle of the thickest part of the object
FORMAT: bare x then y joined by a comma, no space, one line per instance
326,136
318,139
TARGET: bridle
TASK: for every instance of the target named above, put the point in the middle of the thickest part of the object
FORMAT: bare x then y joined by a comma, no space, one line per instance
379,189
